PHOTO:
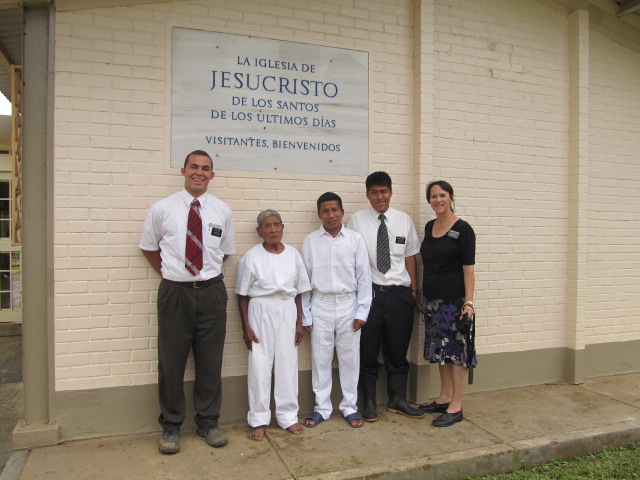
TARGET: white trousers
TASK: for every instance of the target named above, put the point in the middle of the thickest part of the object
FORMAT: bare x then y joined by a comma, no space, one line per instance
333,317
273,320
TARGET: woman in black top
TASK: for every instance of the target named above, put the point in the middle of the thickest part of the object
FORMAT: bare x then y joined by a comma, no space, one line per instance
448,255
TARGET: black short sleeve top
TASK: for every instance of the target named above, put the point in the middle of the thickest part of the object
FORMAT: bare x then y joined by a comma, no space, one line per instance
443,258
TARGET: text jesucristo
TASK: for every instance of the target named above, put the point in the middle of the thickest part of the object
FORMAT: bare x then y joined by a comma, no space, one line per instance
270,83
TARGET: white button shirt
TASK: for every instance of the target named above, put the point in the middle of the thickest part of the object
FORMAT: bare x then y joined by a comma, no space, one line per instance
261,273
403,242
165,229
337,265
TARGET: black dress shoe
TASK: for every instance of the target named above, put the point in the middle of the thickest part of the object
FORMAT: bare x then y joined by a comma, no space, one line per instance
447,419
434,407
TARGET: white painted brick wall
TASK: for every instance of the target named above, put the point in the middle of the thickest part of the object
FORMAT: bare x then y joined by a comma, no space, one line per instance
500,136
613,256
110,71
501,124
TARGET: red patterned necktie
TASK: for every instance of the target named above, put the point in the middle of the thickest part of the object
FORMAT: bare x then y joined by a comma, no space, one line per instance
193,260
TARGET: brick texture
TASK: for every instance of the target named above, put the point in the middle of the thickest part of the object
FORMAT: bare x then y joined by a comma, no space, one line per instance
500,138
613,256
110,166
498,131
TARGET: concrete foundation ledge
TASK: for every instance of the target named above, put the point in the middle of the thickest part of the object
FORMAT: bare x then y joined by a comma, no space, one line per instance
12,329
500,458
35,435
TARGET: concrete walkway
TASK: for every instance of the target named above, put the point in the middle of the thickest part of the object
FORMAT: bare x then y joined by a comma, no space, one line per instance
11,397
503,430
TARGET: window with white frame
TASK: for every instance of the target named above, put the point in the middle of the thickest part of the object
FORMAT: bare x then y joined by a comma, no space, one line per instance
10,256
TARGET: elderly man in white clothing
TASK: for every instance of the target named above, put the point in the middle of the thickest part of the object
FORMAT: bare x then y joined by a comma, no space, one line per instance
270,280
337,307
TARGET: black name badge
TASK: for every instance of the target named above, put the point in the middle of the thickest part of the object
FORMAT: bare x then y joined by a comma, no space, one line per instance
453,234
401,240
216,231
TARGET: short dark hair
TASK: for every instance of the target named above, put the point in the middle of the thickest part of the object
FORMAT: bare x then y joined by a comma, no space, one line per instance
444,185
329,197
379,179
200,153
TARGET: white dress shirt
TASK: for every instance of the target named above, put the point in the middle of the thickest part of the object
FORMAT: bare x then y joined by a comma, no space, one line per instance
261,273
403,242
165,229
335,266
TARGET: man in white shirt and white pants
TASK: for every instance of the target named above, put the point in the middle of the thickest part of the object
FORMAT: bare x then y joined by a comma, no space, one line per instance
337,307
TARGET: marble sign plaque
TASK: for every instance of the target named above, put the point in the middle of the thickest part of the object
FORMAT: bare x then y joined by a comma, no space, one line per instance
258,104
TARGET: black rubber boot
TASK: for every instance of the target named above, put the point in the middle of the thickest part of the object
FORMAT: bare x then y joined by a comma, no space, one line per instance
369,405
397,388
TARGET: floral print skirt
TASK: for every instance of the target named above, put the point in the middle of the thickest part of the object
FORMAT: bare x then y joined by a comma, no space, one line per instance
443,344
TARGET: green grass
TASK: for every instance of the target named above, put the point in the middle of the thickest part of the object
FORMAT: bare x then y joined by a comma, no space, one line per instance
620,464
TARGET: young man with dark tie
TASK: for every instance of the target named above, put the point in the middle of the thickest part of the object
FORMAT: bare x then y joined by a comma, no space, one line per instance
392,244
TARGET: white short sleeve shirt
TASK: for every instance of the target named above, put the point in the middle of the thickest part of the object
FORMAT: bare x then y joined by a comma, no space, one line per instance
403,242
165,229
261,273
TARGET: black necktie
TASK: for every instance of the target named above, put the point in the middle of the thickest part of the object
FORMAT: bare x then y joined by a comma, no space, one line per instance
384,257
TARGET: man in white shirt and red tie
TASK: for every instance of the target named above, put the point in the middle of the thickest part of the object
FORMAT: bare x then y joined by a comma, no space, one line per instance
186,238
337,307
392,243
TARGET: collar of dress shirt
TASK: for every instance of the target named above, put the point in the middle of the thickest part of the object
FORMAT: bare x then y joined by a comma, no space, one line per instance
375,214
186,196
324,232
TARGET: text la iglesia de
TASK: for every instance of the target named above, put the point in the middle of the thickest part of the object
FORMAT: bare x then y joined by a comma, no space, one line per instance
277,64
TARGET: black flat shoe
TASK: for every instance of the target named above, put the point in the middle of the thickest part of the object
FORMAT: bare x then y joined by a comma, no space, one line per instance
434,407
447,419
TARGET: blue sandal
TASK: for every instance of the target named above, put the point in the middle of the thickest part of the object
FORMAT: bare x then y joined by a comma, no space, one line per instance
315,417
354,416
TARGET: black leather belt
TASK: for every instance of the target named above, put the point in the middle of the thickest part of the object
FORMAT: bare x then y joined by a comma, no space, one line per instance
390,288
199,283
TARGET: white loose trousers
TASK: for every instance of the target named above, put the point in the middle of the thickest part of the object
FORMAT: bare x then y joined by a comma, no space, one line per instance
333,316
273,320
